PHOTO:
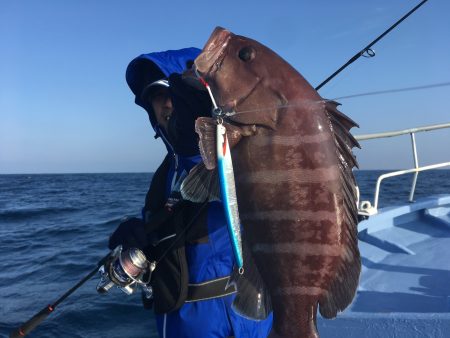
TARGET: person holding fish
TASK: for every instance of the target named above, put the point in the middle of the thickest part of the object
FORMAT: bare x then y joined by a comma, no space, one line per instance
189,241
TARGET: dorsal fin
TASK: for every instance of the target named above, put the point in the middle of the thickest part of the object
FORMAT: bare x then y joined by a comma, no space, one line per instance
343,287
346,121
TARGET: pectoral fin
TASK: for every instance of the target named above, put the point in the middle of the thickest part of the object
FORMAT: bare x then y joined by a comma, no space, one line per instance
201,185
206,129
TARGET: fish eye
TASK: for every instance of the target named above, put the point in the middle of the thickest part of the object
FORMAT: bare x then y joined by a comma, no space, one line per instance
247,54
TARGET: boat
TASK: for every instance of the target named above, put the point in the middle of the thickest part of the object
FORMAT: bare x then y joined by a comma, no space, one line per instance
404,288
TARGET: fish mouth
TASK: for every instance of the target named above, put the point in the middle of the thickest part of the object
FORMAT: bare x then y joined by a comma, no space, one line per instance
207,64
212,53
238,114
237,123
230,110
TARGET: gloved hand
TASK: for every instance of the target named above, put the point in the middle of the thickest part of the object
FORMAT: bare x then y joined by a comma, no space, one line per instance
130,234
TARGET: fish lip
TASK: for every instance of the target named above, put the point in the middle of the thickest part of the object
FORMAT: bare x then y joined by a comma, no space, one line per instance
229,107
231,117
232,113
229,120
214,50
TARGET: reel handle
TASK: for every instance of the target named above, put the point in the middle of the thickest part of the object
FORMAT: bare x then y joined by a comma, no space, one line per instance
31,324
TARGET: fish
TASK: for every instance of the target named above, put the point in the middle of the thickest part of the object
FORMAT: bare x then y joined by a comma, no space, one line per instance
294,181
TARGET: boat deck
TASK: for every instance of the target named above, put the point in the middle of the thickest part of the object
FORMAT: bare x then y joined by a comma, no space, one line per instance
404,288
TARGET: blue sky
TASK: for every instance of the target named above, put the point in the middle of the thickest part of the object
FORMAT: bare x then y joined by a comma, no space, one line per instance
65,105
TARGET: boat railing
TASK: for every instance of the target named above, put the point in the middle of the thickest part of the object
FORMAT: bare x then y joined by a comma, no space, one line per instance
365,208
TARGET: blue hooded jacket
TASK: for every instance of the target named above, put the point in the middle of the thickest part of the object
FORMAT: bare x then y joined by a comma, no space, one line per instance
206,261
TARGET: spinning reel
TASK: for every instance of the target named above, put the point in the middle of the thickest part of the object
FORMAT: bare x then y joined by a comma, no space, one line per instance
126,269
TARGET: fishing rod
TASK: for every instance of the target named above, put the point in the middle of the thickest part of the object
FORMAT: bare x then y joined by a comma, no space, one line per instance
367,51
34,321
125,269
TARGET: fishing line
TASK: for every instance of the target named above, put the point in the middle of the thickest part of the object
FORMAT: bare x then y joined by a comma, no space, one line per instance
396,90
288,105
344,97
367,51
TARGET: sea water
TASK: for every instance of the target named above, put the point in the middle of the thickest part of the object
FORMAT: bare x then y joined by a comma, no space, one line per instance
55,228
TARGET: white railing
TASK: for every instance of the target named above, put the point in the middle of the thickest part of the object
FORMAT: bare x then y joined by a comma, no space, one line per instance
366,208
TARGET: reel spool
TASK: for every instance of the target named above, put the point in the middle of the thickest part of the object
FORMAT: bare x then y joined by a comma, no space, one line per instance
126,270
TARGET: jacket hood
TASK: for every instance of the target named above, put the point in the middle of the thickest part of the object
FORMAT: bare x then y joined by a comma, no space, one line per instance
148,68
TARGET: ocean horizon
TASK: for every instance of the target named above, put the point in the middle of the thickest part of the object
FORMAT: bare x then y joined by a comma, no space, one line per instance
151,172
54,229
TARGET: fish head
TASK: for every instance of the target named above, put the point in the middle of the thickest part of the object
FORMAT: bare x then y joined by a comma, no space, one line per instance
237,69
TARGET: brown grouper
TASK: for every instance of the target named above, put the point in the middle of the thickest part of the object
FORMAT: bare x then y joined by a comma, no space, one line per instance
295,187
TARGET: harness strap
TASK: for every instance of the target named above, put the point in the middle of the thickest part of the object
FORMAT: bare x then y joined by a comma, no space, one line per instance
211,289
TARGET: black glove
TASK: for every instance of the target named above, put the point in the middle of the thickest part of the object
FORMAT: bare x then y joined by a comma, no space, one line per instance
188,104
130,234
